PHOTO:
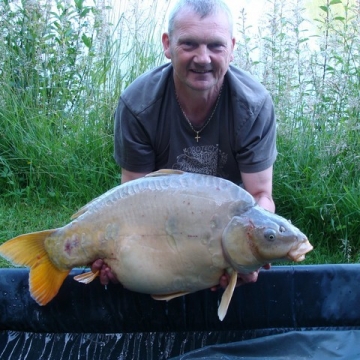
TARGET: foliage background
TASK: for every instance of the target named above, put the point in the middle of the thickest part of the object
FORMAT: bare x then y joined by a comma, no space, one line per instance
63,65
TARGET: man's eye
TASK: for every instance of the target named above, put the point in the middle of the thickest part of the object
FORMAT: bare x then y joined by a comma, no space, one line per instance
188,44
215,46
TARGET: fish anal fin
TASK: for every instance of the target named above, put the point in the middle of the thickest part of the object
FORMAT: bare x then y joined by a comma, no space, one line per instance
227,295
28,250
163,172
168,297
86,278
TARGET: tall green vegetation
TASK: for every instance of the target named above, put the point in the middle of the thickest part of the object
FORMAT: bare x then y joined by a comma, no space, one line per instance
63,65
51,95
62,68
312,70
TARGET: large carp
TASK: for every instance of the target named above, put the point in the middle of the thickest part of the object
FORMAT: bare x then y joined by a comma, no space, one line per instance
167,234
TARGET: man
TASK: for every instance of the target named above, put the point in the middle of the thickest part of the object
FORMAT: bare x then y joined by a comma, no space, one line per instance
198,113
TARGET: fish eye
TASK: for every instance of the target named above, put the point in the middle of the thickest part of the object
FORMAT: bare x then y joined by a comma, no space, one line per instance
270,234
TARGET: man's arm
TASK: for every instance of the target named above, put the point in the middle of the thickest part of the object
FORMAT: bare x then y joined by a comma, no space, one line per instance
259,185
127,175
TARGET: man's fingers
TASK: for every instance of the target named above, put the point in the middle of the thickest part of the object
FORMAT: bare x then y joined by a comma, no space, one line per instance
97,265
242,278
247,278
111,277
104,278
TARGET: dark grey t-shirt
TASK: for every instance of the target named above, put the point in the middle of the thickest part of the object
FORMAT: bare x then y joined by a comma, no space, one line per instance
151,132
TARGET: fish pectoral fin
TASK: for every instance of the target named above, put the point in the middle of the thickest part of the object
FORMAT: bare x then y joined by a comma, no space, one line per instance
227,295
86,278
168,297
163,172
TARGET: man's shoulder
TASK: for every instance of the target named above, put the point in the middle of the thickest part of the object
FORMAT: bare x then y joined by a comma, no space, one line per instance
147,89
245,86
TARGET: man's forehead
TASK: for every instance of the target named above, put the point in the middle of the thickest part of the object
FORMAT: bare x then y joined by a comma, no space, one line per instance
199,37
188,21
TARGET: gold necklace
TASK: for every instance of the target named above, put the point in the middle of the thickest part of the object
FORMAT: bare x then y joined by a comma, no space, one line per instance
197,137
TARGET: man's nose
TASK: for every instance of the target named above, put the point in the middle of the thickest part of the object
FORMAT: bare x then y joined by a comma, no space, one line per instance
202,55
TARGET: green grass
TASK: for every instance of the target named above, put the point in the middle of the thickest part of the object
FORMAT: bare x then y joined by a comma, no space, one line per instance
63,69
23,217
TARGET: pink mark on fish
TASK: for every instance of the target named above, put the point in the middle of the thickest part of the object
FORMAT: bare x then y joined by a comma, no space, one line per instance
70,244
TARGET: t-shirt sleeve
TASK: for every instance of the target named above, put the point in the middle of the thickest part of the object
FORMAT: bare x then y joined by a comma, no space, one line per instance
257,139
133,150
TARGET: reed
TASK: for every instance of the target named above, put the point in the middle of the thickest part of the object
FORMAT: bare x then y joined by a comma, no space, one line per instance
63,65
312,70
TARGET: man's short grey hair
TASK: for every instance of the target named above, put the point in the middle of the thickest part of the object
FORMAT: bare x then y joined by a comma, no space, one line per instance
203,8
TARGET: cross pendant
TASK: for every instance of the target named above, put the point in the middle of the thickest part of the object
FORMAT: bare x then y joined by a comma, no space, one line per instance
197,137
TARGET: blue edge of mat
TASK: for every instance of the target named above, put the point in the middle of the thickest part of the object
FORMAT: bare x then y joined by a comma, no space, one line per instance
291,312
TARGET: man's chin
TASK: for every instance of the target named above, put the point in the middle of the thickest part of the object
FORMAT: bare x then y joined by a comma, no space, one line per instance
201,85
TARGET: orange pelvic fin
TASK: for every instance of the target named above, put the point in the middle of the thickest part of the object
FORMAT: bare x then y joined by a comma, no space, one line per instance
86,278
28,250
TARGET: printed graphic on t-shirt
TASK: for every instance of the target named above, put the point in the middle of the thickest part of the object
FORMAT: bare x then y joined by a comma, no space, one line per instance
208,160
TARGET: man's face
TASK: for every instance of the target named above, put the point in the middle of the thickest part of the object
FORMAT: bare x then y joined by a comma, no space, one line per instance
200,49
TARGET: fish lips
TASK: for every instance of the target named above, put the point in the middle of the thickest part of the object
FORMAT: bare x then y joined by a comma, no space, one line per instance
298,252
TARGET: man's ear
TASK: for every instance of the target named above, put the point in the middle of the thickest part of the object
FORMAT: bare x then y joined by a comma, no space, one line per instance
233,43
166,45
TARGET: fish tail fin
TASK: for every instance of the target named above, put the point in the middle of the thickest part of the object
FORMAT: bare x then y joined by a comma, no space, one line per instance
28,250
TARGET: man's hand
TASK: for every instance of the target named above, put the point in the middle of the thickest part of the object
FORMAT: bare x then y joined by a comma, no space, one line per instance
242,278
105,273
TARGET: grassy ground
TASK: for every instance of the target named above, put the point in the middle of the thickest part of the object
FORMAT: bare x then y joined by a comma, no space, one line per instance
19,218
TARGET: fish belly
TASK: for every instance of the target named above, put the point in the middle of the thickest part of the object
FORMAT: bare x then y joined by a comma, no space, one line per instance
169,243
158,235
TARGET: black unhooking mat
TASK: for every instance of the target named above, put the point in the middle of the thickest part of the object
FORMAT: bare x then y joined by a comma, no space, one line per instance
291,312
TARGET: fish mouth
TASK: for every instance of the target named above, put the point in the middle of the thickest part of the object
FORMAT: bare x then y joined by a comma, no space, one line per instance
297,253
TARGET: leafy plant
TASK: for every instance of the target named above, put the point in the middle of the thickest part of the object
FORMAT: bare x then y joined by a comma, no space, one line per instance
63,65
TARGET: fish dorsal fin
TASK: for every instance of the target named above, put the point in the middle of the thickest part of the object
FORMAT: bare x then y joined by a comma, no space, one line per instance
163,172
84,208
227,295
168,297
86,278
80,212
